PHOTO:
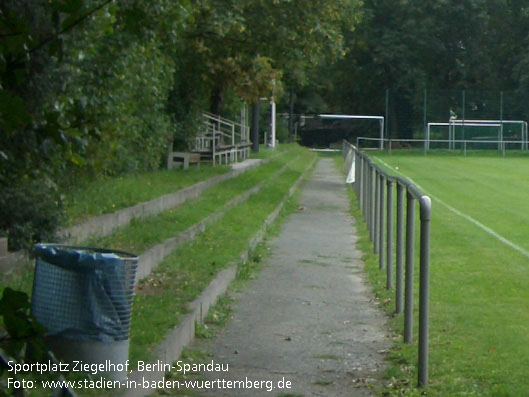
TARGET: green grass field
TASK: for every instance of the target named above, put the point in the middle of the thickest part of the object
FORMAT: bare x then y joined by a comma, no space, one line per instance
479,302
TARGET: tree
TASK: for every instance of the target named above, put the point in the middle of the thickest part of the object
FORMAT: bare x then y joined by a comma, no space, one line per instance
408,46
245,45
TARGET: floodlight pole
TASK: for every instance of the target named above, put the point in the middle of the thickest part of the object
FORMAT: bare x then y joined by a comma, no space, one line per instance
273,122
254,130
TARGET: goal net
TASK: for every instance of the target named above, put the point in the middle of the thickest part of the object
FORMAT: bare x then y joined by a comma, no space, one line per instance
479,134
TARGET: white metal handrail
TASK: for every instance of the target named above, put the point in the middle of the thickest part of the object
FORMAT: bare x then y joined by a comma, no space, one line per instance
222,138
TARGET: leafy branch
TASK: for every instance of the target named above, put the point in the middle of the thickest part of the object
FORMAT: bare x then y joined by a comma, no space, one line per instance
65,29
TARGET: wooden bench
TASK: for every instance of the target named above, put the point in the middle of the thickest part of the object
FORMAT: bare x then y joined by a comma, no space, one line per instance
183,159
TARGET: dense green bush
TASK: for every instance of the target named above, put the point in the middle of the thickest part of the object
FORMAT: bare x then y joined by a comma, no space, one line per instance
128,111
31,212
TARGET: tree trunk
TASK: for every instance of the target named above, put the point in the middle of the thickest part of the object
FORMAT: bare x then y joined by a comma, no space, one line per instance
254,130
216,101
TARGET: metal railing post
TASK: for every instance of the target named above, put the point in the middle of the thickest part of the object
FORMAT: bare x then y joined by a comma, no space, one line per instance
360,181
377,212
389,235
381,220
369,198
372,201
424,289
363,187
408,289
357,176
399,248
366,187
213,145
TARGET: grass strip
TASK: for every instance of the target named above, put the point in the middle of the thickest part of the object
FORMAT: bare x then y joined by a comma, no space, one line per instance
185,273
266,152
145,233
22,279
106,195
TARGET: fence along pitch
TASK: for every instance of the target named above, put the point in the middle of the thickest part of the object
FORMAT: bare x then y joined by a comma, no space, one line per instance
369,187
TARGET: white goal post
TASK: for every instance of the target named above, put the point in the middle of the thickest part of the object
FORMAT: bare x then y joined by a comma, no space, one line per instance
479,123
359,117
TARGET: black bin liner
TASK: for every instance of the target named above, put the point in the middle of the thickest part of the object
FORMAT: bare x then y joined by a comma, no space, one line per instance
83,293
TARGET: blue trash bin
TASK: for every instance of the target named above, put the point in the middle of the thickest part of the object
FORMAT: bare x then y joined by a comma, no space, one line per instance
83,296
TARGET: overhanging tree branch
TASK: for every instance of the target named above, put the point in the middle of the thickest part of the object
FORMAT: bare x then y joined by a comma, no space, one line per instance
55,36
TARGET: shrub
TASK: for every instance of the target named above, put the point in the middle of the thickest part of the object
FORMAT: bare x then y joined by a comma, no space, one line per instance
30,212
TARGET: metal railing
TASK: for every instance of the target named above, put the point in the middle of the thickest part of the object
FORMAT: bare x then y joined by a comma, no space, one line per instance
374,188
224,128
222,138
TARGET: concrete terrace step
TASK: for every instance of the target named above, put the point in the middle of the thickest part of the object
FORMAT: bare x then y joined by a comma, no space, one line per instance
149,259
103,225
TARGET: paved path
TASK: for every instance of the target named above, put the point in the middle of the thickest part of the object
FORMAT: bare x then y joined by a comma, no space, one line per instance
309,317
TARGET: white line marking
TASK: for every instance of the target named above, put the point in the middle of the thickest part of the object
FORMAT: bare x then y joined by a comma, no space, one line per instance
463,215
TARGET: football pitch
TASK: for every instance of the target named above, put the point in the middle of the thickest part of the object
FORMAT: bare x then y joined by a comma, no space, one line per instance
479,280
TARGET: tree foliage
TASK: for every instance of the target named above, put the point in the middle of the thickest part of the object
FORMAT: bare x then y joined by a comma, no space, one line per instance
408,46
84,86
256,47
100,87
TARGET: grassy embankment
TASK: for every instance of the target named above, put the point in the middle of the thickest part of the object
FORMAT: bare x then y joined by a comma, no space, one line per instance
188,270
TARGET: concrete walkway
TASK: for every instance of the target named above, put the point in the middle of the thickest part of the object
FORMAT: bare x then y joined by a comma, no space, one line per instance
309,317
